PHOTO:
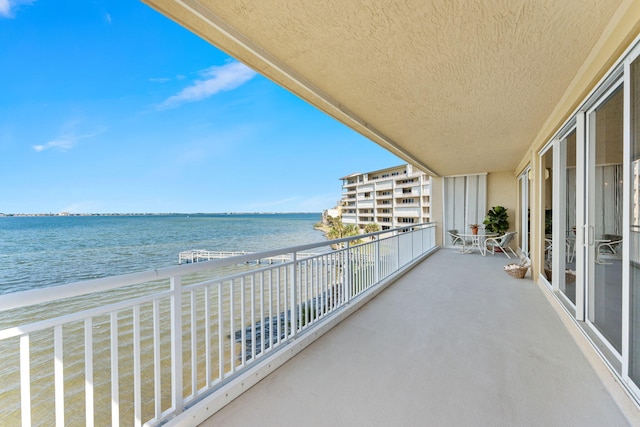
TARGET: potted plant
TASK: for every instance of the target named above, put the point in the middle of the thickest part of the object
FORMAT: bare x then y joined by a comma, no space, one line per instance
497,220
474,228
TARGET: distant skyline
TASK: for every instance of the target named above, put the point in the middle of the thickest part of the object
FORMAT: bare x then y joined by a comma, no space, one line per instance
110,107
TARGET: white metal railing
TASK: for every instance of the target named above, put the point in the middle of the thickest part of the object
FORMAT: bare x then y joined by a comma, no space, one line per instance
140,348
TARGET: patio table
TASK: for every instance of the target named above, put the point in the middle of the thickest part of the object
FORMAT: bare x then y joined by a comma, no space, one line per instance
477,241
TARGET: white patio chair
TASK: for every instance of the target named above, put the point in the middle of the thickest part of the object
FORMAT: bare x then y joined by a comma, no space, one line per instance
456,239
607,249
491,243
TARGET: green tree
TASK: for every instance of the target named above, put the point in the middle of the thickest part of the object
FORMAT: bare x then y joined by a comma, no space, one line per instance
372,227
338,230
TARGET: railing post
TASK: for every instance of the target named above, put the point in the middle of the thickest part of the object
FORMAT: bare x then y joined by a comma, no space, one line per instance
398,250
347,272
176,345
376,257
294,295
413,254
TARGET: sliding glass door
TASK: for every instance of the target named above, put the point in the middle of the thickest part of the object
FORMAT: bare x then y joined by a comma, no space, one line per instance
634,224
604,215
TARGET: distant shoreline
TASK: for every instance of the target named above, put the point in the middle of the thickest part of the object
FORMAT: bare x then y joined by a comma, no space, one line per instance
66,214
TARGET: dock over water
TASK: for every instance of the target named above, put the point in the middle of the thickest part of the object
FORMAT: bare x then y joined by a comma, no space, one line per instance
199,255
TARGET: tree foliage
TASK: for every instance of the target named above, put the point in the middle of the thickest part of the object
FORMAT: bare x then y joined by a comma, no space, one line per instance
371,227
338,230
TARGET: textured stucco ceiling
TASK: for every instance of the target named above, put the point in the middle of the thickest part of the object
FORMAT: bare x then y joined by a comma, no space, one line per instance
456,86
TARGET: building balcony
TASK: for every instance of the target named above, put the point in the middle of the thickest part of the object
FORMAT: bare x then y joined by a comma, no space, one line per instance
454,342
365,204
385,185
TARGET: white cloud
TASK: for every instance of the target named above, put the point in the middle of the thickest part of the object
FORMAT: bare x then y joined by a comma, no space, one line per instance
215,80
68,139
8,8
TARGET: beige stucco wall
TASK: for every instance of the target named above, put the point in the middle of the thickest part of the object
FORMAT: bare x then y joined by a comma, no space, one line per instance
502,191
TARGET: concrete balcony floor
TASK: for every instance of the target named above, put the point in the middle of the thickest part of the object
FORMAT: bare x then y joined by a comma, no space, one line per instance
454,342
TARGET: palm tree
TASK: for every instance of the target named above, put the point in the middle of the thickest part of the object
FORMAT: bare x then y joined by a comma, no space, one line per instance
338,230
371,228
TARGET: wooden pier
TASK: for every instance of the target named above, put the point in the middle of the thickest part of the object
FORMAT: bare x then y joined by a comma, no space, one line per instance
199,255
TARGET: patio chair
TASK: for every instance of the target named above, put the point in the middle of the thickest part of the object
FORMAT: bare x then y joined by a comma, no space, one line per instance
608,248
491,243
456,239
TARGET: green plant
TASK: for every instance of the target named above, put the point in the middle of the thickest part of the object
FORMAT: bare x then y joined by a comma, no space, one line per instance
497,220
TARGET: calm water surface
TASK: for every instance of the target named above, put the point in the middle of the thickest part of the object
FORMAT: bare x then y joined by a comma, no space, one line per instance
49,251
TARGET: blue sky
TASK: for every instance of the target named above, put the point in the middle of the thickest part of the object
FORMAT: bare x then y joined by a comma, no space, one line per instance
111,107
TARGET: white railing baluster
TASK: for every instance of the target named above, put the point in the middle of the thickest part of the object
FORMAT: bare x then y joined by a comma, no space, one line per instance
295,303
157,372
177,401
262,322
207,336
294,296
243,322
137,370
270,299
115,376
58,374
221,332
194,344
88,372
232,332
25,380
287,304
316,286
279,306
253,317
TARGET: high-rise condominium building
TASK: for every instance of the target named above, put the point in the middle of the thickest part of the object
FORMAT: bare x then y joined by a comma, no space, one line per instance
390,197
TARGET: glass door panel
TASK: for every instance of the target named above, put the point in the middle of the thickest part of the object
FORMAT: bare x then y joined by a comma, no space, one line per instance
634,227
604,217
567,262
547,211
525,215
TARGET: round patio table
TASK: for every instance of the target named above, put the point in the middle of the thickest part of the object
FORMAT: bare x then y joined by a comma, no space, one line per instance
477,241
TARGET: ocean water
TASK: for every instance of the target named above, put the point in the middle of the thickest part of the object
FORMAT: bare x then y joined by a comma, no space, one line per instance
37,252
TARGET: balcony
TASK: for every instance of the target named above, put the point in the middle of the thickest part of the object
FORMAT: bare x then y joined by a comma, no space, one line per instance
454,342
446,340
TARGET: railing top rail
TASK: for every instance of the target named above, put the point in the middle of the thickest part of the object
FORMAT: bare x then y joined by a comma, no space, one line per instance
37,296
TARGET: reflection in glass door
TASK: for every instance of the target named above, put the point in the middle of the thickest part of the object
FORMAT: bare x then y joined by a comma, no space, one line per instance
604,217
546,205
524,211
634,226
567,206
